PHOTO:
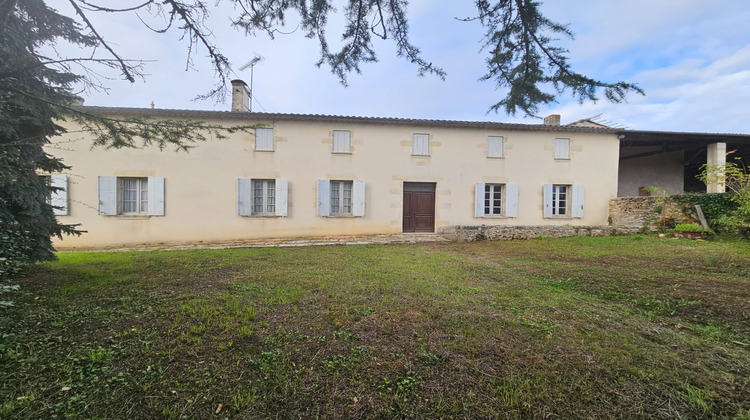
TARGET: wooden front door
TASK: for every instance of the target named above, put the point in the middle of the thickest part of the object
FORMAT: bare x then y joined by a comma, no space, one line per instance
419,207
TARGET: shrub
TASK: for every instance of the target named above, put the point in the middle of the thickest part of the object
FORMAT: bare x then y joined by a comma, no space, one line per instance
689,227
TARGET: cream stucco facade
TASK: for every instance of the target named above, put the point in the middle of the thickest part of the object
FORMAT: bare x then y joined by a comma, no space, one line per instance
200,187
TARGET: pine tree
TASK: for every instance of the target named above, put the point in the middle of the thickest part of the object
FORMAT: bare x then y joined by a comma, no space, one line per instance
36,89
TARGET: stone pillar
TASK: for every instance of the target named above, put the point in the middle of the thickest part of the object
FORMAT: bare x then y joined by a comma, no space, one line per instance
240,96
717,156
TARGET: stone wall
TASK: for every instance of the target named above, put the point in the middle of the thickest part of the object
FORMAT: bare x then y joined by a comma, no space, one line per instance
641,211
473,233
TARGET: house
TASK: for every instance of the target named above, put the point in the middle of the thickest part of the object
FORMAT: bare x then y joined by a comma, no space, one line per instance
318,175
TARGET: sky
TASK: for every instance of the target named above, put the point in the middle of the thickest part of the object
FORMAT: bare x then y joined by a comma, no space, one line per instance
691,57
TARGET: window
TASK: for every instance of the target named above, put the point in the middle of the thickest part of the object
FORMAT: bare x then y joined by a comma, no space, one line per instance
264,139
563,200
131,196
493,199
341,141
496,200
341,198
58,199
420,144
562,148
262,197
495,146
559,200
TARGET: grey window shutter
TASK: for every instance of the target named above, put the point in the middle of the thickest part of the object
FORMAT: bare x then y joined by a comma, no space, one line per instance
324,197
479,200
155,196
282,196
59,198
341,141
494,146
358,198
107,195
562,148
244,196
548,200
511,200
576,206
264,139
421,144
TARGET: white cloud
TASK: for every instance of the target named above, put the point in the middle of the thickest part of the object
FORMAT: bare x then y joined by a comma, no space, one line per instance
689,55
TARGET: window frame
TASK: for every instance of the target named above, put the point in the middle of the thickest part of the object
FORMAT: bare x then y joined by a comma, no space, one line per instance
140,190
267,197
338,197
490,202
555,204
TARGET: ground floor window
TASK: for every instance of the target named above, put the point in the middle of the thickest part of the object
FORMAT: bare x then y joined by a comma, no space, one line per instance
493,199
264,196
133,195
341,197
560,200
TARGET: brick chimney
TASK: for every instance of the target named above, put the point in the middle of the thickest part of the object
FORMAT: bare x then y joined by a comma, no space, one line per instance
553,119
240,96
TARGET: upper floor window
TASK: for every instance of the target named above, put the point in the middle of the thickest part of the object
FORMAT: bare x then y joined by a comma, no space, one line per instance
341,141
264,139
562,148
420,144
495,146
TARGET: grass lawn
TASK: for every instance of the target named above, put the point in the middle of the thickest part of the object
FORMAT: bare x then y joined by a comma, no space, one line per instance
621,327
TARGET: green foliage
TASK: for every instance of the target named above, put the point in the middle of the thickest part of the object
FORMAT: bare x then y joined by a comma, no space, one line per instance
735,176
689,227
713,205
36,93
524,59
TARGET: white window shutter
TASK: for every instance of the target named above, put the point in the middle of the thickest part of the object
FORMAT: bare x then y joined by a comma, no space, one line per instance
511,200
264,139
358,198
59,198
244,196
479,199
494,146
324,197
562,148
420,144
548,200
108,195
341,141
282,196
155,196
576,206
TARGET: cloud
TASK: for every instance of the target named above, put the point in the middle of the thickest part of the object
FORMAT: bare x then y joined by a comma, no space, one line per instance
688,96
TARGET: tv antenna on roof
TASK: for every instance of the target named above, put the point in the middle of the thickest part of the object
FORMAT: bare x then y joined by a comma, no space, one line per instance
251,64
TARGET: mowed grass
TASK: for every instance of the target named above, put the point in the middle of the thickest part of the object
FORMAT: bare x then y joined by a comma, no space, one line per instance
621,327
